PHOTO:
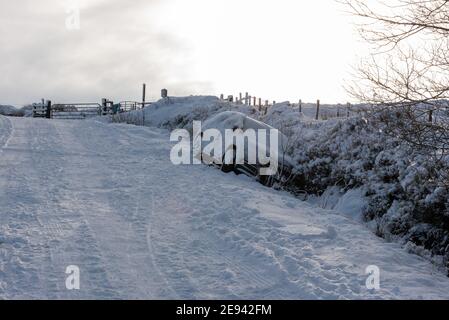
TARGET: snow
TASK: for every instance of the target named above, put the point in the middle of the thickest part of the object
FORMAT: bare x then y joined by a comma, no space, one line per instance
5,132
224,121
10,111
106,197
178,112
174,107
341,155
352,204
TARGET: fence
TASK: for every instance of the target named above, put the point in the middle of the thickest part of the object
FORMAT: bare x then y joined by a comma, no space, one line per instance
126,106
41,110
78,111
249,100
107,107
320,113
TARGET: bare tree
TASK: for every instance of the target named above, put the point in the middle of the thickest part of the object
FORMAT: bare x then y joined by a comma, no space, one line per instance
406,79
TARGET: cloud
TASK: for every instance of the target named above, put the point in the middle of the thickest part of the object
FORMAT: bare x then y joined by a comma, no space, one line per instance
116,49
276,50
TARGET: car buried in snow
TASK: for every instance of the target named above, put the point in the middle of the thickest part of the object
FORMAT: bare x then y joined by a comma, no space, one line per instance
247,143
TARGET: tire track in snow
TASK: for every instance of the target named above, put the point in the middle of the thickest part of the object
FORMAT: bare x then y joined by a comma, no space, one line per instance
6,132
163,244
28,258
54,233
179,248
147,216
75,244
132,273
20,250
144,213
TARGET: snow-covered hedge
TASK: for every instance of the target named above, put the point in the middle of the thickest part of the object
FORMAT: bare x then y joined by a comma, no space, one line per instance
406,194
180,112
11,111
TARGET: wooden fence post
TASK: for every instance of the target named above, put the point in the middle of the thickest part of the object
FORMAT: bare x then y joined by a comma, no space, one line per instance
254,101
317,109
240,98
48,110
246,98
104,104
109,107
348,108
144,95
430,116
260,104
300,105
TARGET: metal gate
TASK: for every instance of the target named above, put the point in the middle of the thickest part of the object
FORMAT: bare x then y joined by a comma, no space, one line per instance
76,111
79,111
126,106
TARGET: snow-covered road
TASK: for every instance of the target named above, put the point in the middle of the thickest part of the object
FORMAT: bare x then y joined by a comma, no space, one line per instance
107,199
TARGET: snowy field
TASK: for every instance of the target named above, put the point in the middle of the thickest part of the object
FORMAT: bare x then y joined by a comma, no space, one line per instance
106,198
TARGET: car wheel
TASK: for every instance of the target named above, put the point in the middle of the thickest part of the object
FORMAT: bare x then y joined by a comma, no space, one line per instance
267,181
227,168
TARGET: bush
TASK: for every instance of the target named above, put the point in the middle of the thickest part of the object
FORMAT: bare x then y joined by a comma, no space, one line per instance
407,197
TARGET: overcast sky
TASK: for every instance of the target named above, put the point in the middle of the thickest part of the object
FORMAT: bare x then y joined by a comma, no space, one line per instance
275,49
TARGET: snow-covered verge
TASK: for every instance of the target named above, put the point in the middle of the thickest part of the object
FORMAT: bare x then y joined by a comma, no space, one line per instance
346,164
405,197
11,111
354,167
106,198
